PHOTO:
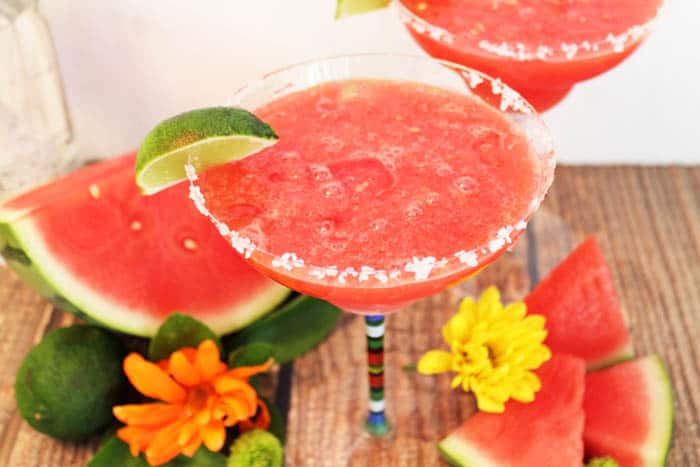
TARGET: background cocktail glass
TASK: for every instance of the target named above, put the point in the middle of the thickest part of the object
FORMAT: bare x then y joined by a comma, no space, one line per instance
542,73
345,286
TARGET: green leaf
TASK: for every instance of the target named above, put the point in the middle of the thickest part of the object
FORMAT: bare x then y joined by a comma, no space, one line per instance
109,433
202,458
115,452
176,332
293,330
354,7
255,353
277,426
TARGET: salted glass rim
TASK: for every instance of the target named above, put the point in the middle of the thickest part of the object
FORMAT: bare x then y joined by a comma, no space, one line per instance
429,268
565,52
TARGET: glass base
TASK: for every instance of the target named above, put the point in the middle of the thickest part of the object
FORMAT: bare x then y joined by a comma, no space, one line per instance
377,425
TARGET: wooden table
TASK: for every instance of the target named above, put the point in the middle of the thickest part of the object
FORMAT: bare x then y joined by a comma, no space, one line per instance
647,221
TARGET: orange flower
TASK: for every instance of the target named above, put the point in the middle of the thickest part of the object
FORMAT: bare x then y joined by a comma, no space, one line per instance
200,397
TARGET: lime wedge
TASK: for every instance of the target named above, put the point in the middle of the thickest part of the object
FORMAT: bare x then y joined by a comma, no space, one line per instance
354,7
211,136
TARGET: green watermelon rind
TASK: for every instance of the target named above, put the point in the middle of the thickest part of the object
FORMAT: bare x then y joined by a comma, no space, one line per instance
460,453
619,355
57,284
660,413
655,449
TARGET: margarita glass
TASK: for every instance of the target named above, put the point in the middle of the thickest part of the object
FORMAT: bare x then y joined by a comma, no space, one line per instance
394,178
541,48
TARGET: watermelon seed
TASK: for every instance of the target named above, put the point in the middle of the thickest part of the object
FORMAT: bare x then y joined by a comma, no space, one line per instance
190,244
136,226
94,190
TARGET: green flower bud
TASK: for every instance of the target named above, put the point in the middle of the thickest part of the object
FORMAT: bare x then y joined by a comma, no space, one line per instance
256,448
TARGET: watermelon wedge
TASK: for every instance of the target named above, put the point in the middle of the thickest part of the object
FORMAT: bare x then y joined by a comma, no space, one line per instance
545,433
583,313
91,244
629,413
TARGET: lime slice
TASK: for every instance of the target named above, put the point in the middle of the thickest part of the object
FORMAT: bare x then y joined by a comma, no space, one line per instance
211,136
354,7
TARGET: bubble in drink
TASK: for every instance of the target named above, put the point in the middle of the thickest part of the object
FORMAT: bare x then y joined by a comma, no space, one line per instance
414,210
337,244
432,197
378,224
326,227
332,144
444,170
465,184
320,172
290,156
333,190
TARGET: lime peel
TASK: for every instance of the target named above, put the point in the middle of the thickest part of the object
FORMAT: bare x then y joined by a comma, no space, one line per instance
211,136
355,7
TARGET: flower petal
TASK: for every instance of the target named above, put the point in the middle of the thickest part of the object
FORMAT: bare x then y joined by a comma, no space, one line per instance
214,435
487,404
189,449
245,372
156,414
225,384
515,311
236,409
136,437
182,370
187,432
262,419
164,446
435,361
152,381
489,303
207,360
457,329
467,306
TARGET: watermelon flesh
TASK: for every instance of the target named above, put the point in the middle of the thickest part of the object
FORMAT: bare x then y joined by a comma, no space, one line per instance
629,413
584,317
92,244
544,433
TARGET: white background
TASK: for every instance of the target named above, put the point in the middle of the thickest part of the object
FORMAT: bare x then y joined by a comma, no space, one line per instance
131,63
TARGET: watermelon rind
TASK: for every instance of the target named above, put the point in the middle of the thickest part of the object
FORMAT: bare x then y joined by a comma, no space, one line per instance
459,453
31,258
603,338
656,448
653,451
620,355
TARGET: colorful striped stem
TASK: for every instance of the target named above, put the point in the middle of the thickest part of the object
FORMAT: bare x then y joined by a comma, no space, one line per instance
377,423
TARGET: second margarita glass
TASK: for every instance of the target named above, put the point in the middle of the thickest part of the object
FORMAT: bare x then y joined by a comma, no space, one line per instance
541,48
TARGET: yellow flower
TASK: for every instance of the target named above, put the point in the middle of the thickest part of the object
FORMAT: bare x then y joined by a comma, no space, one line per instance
494,350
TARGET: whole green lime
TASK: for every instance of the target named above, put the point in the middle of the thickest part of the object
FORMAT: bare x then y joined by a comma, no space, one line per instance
67,384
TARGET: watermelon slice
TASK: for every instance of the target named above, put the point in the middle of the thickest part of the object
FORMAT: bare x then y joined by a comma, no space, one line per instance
545,433
629,413
583,313
93,245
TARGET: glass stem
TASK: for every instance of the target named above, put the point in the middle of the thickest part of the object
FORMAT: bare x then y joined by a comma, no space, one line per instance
377,423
